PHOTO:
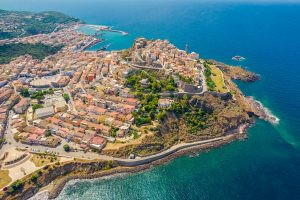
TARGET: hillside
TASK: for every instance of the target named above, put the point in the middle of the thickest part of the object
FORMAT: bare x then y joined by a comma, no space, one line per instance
20,24
8,52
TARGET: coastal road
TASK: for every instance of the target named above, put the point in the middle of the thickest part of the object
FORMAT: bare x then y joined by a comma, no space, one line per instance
11,143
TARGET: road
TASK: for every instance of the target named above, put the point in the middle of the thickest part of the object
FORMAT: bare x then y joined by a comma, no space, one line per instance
73,108
203,79
11,143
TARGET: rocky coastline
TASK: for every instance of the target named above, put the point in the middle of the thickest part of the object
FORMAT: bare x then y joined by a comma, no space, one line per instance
236,72
54,180
59,185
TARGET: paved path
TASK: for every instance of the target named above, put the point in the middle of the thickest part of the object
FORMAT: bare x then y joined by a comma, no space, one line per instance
90,155
71,103
173,149
179,93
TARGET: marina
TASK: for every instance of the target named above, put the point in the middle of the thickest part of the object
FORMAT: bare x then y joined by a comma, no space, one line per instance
109,39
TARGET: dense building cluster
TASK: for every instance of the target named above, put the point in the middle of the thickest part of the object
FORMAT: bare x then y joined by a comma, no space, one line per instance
80,96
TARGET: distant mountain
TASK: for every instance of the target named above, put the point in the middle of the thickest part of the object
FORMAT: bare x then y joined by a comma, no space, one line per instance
21,23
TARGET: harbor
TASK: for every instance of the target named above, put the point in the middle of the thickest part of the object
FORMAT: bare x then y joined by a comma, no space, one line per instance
108,38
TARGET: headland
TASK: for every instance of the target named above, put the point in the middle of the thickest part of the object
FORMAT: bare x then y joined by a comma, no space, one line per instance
88,114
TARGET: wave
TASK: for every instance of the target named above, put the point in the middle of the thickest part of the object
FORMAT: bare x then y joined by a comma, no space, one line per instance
264,112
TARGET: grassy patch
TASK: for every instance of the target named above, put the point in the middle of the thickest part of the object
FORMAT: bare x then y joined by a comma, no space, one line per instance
218,79
4,178
40,160
208,74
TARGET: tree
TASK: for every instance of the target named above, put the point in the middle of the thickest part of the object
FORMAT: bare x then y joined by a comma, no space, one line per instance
2,140
25,92
47,133
161,115
113,132
50,91
15,186
34,178
66,97
155,86
67,148
36,106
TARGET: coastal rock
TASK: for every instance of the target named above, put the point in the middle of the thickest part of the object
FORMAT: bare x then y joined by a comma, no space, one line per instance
260,111
236,73
53,172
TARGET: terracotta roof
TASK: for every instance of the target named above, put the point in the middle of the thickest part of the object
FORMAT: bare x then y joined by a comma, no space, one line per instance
33,137
97,140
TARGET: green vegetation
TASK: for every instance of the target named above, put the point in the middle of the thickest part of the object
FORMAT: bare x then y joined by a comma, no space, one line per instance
36,106
66,97
8,52
150,82
194,117
146,86
39,95
148,109
134,133
218,79
161,115
113,131
185,79
207,73
67,148
15,186
25,92
48,133
35,176
2,140
108,165
27,23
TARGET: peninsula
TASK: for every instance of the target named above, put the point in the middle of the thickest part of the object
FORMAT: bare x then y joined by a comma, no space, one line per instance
67,113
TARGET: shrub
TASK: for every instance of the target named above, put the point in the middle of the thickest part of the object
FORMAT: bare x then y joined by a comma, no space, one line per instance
15,186
25,92
36,106
47,133
66,97
34,178
67,148
39,173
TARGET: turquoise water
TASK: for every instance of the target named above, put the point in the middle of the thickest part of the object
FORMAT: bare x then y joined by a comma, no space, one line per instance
267,165
112,40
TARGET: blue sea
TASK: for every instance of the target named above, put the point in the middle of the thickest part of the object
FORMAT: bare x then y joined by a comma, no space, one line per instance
267,164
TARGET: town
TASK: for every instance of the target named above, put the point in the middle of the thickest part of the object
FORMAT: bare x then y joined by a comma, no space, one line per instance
76,103
72,107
